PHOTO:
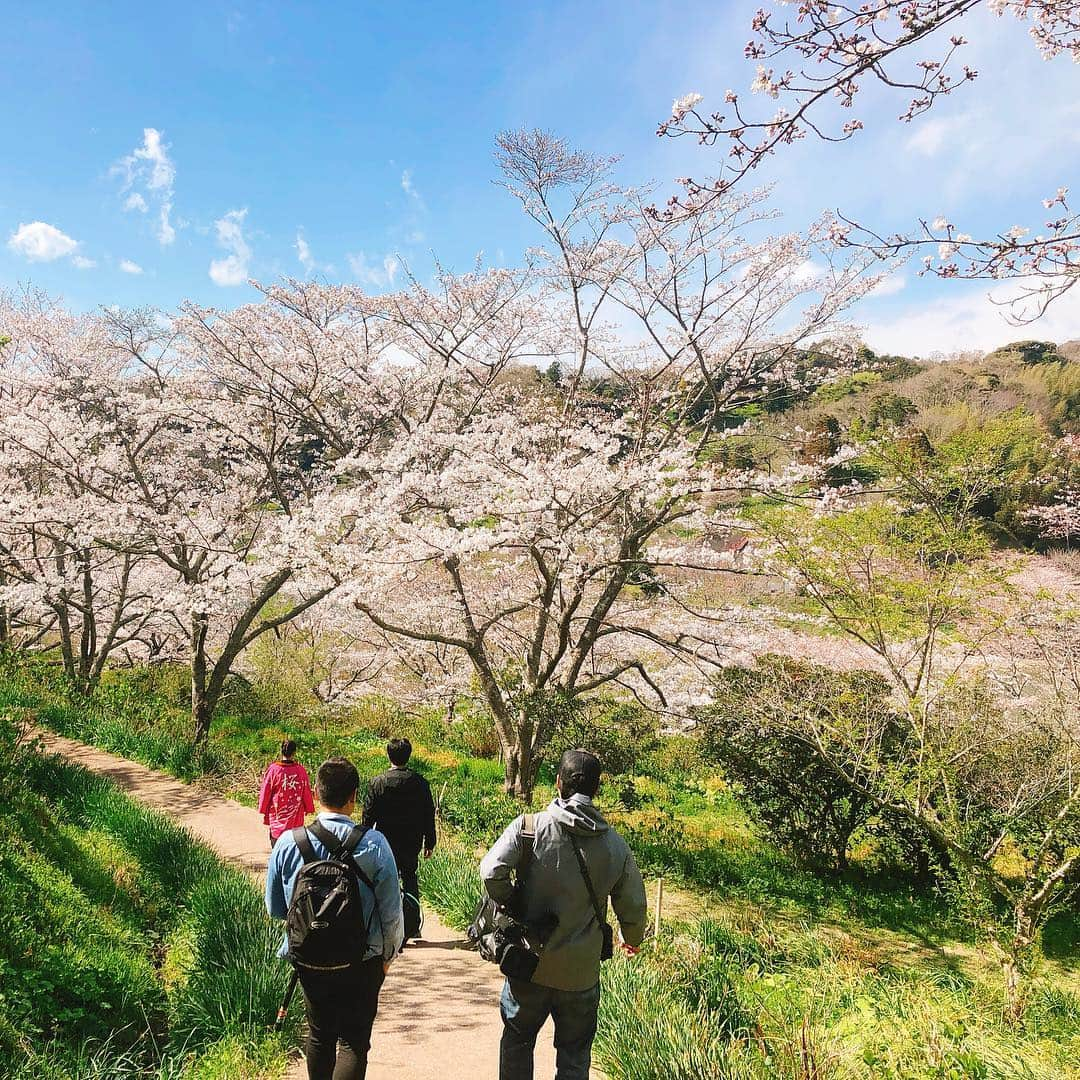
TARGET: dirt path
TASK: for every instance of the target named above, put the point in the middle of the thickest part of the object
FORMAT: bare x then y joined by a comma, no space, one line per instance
438,1014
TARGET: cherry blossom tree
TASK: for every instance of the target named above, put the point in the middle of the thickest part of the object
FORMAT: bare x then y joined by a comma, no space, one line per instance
914,48
520,530
134,429
1059,520
492,531
59,583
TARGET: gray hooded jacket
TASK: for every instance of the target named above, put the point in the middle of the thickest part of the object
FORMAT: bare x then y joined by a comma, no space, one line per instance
554,885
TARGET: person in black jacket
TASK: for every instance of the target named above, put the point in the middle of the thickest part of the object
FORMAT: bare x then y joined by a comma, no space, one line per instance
400,806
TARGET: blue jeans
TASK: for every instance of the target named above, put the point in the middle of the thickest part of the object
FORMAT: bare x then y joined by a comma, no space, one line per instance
525,1007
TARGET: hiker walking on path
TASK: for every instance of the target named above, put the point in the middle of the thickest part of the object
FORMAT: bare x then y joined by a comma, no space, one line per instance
285,793
577,861
400,806
345,929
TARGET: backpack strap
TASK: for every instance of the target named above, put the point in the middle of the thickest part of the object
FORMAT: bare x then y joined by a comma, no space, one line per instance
342,850
349,846
303,842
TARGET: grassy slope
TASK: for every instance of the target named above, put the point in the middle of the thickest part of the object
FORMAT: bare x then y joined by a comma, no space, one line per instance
786,972
112,962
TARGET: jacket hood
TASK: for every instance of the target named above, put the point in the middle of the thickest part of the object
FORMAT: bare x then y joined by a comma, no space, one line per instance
578,815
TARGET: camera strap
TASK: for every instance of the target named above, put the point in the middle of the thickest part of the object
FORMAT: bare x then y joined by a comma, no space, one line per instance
528,846
600,914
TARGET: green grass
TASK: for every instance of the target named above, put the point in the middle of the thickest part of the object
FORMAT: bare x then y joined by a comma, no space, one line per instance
129,950
790,974
714,999
450,884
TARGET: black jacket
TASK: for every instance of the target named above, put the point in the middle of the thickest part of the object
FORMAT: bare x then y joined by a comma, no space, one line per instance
400,806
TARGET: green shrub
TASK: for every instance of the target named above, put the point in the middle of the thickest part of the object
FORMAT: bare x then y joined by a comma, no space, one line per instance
620,734
798,801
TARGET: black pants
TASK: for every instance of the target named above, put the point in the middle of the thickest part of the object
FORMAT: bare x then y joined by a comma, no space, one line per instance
408,861
341,1008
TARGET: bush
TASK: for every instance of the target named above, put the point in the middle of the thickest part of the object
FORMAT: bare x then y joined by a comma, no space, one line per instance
620,734
796,799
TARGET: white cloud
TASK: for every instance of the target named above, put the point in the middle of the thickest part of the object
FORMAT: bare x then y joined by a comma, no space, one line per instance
408,185
129,267
166,232
931,136
889,286
807,271
81,262
374,275
303,253
40,242
233,269
970,320
149,176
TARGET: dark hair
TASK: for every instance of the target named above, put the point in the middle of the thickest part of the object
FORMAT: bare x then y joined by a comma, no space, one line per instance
288,748
399,751
579,773
337,781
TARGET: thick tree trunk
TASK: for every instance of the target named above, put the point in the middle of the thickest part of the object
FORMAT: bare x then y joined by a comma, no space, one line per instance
521,766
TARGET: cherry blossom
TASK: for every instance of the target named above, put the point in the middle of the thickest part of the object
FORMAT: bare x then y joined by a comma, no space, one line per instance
838,49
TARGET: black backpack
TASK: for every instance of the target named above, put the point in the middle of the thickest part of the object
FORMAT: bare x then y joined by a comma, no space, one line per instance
325,924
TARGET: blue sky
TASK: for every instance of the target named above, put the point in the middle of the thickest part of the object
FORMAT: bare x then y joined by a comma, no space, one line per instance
366,129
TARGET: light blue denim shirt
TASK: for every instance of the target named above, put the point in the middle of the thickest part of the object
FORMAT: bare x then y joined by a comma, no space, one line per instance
373,856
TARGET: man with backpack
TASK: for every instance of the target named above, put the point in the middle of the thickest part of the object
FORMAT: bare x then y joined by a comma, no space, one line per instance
566,868
400,806
336,885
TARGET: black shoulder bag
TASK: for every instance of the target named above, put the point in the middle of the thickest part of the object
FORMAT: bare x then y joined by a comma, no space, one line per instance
607,949
498,933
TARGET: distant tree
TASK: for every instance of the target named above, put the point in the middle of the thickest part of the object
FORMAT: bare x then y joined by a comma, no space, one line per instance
1058,520
553,373
1026,352
889,410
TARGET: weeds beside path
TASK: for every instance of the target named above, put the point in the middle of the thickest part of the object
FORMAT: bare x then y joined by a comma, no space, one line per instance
439,1015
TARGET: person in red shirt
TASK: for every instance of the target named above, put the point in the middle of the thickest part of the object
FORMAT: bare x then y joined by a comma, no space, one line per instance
285,794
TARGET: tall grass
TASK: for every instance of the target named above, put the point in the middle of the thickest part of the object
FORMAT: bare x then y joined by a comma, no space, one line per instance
230,980
645,1027
449,882
709,999
128,949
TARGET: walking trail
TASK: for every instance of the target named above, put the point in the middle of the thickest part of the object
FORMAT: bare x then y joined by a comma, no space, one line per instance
439,1010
